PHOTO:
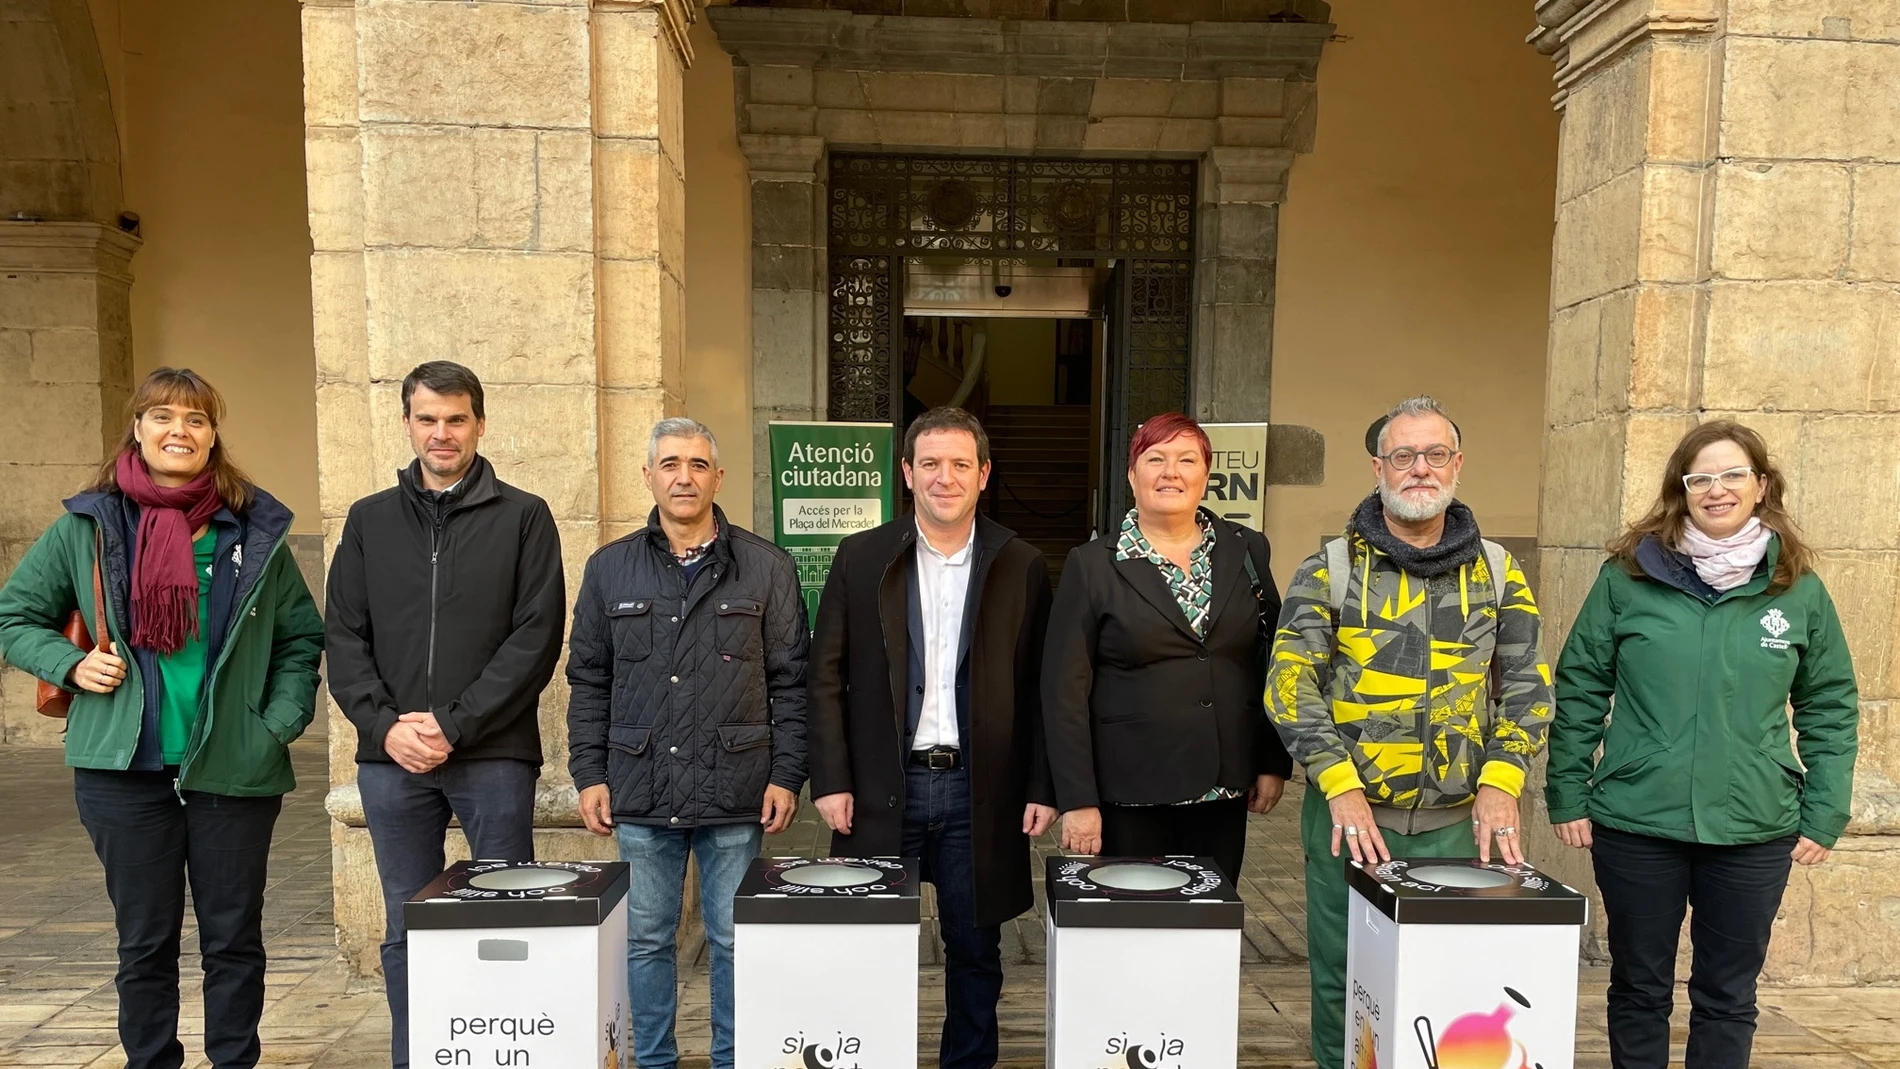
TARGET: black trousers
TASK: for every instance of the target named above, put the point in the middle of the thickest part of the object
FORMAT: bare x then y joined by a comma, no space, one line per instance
1198,829
151,844
1734,892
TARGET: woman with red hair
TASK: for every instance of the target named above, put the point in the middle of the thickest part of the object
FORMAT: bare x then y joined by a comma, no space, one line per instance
1153,675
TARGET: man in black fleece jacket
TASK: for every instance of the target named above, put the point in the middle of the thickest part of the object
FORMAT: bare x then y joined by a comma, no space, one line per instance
443,624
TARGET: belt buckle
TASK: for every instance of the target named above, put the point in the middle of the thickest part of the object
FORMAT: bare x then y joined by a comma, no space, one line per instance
941,760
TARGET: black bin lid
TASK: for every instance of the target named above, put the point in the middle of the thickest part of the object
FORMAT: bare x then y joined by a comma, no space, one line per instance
519,894
1433,890
1140,892
829,890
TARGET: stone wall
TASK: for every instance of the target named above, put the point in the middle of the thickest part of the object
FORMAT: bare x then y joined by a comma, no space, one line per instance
59,145
65,284
1239,96
1728,185
1175,11
66,367
499,184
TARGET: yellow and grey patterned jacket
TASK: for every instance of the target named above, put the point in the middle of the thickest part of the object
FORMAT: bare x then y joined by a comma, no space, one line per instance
1419,692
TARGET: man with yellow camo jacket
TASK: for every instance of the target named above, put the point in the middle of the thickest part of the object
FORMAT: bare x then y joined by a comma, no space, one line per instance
1408,679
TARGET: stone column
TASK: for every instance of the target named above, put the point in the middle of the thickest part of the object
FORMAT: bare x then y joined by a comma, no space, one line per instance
1241,193
1728,181
640,56
66,366
498,184
788,294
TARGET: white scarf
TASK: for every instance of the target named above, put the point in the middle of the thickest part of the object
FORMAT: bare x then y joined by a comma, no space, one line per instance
1726,563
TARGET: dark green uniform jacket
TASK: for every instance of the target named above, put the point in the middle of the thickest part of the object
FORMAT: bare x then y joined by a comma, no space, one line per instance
1698,748
258,696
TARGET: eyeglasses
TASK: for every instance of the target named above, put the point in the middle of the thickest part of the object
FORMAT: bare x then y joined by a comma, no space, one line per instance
1437,456
1701,482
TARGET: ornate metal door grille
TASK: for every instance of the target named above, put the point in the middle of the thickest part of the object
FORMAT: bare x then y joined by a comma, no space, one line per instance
882,209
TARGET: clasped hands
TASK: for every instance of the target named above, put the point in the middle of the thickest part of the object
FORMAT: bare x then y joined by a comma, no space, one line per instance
415,742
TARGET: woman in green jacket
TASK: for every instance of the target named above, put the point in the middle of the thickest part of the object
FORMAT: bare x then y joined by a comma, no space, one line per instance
1705,626
204,672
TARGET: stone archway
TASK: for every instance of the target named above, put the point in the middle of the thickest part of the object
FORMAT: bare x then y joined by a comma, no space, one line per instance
65,285
59,145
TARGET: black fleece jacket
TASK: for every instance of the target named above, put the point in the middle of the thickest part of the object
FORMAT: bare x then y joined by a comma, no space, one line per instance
452,604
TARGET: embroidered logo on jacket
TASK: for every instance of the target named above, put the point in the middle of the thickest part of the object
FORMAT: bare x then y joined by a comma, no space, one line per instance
1776,625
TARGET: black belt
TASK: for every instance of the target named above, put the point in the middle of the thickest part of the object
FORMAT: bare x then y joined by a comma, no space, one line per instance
937,758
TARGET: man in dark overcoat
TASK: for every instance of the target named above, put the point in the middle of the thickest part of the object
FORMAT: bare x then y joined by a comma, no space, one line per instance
924,714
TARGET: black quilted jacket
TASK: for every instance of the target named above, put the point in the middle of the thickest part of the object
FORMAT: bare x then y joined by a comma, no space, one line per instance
686,700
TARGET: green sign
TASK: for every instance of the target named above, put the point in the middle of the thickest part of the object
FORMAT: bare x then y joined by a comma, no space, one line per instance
829,480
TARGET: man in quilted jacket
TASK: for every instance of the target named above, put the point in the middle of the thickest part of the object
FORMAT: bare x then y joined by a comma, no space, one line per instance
686,719
1407,678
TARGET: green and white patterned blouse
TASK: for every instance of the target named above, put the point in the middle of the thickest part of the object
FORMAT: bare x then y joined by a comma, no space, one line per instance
1193,590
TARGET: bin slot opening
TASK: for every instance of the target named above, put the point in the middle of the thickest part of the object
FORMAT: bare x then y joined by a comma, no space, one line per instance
501,949
1139,876
523,879
833,874
1459,876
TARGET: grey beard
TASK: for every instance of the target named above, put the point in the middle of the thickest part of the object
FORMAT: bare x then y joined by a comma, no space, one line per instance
1411,512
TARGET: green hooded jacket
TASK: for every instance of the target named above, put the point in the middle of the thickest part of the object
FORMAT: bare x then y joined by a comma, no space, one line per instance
1698,749
258,696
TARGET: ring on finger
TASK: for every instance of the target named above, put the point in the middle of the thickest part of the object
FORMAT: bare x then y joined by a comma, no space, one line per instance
1352,831
1506,831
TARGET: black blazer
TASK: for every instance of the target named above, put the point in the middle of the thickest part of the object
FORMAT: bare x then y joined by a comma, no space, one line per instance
859,686
1137,709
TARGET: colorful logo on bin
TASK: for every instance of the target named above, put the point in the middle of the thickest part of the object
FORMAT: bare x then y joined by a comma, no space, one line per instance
613,1040
1476,1040
1148,1052
1368,1053
834,1051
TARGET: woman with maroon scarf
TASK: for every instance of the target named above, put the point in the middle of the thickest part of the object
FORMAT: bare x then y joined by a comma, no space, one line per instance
205,671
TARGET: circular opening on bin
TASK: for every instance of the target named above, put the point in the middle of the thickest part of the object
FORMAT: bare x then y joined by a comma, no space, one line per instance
832,876
1459,876
522,879
1135,876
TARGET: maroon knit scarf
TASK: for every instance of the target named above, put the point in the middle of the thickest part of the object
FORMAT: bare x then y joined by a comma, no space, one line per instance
164,574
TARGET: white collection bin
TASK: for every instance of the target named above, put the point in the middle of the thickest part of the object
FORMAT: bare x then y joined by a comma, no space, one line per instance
520,963
1454,964
1143,964
825,964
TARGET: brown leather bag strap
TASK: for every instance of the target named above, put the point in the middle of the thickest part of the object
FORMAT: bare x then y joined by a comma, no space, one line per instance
102,636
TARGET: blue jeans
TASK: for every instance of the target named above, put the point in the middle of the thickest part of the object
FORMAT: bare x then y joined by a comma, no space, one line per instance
937,830
408,816
656,860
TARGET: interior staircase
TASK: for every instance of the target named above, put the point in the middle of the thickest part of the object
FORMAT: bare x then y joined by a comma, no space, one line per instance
1039,483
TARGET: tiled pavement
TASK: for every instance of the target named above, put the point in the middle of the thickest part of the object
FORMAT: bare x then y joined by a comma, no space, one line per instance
56,956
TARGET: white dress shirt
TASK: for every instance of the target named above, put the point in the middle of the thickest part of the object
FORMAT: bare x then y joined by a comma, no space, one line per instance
943,584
